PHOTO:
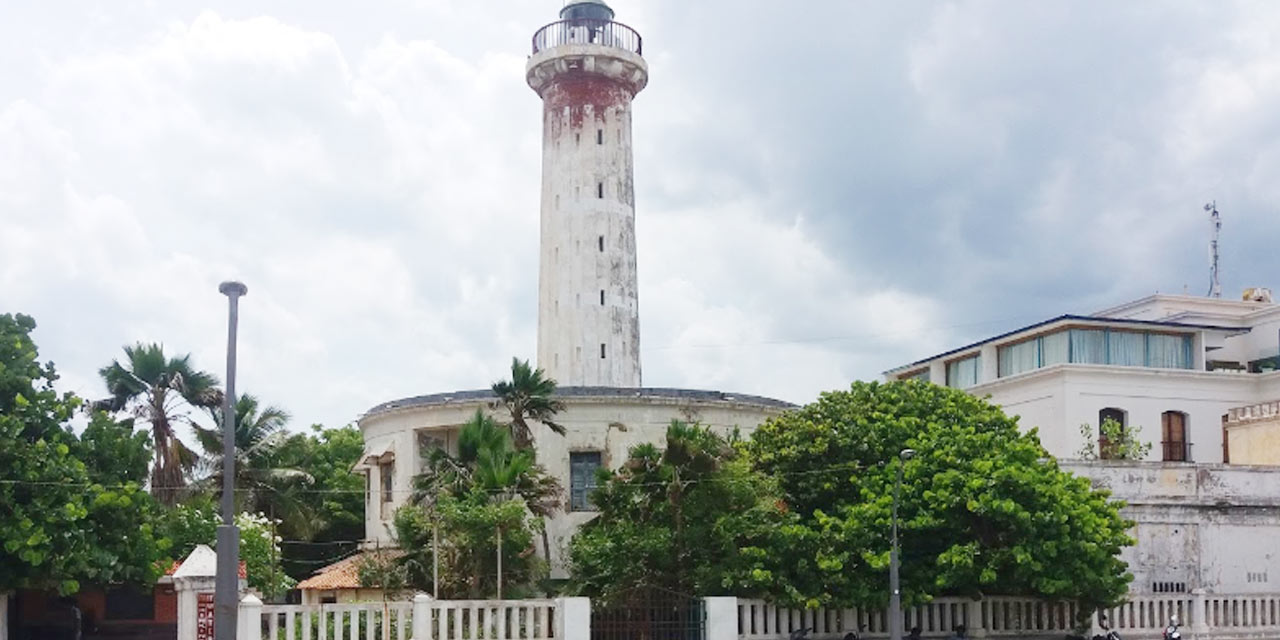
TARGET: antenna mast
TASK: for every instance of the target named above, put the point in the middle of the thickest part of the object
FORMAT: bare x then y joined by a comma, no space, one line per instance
1215,222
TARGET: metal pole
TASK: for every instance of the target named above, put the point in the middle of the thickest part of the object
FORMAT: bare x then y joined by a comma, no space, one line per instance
435,558
227,584
499,562
895,594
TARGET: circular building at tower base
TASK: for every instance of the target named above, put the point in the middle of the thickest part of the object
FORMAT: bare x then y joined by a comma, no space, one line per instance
601,423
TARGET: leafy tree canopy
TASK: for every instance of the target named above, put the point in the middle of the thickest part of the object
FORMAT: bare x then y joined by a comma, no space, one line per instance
328,512
196,522
984,509
73,508
691,518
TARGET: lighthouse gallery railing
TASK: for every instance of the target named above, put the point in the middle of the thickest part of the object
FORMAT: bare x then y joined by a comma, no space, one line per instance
585,31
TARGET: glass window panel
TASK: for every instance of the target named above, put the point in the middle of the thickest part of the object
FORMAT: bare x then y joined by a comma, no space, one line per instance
1054,347
582,479
1127,348
1171,352
963,373
1018,358
1088,346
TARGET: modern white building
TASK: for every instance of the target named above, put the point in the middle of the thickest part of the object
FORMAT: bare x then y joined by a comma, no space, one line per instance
1182,369
1173,366
586,68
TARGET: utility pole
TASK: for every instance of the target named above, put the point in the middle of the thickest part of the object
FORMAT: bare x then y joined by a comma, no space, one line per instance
895,594
226,593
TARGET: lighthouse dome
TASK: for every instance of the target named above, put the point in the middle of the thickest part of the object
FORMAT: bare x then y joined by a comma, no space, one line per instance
586,10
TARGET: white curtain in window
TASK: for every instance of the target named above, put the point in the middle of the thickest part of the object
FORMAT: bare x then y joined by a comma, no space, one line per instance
962,374
1053,348
1128,349
1089,346
1172,352
1017,358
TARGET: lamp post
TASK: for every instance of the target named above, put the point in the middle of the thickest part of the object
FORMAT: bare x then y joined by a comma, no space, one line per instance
226,593
895,594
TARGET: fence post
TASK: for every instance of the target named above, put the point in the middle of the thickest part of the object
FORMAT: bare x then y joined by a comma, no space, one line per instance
250,618
722,618
4,615
573,619
421,616
977,626
1199,615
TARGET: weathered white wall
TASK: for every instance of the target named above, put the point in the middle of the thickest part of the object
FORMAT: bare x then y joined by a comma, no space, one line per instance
1215,527
1254,434
588,299
608,424
1058,399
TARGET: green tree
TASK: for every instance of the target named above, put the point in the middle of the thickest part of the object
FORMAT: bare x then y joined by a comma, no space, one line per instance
1114,442
490,484
528,395
331,514
153,388
259,478
691,518
984,508
195,522
71,509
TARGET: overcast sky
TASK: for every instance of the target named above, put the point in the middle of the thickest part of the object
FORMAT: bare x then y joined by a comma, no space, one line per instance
825,190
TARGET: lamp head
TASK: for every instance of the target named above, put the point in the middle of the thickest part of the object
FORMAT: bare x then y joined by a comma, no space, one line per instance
233,289
907,454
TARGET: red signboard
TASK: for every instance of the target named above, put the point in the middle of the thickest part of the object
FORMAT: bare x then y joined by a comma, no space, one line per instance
204,616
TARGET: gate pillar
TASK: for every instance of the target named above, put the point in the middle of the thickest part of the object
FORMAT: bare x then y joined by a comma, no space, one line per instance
722,618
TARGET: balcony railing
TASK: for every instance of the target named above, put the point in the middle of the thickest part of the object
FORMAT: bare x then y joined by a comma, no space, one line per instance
586,31
1175,451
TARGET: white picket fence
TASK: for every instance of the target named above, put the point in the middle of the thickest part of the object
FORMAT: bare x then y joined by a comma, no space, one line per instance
1203,617
423,618
1212,616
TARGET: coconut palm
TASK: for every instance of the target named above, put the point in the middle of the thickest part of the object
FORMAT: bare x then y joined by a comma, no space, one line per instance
528,395
260,484
159,390
487,459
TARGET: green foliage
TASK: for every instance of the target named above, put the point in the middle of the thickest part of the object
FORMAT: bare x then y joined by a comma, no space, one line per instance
71,509
984,509
693,518
528,395
196,522
150,386
327,512
1114,442
489,489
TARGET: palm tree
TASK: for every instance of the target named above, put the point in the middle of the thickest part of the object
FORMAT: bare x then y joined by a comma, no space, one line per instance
260,484
487,459
528,395
154,388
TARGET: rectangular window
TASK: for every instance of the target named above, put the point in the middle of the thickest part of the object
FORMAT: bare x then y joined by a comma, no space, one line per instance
1168,352
1088,346
600,190
921,375
1018,358
582,479
1055,348
964,373
602,297
388,480
426,444
601,244
602,351
599,136
1174,429
1127,348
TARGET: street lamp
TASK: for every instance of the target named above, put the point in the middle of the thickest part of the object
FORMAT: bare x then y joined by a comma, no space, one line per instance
226,592
895,594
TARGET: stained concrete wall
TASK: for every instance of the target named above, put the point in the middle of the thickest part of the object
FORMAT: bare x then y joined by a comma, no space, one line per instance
609,424
588,297
1215,527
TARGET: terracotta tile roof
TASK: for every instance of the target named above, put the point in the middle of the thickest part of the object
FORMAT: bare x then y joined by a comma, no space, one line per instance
344,574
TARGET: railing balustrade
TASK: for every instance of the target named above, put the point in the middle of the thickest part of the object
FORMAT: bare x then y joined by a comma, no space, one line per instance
587,31
445,620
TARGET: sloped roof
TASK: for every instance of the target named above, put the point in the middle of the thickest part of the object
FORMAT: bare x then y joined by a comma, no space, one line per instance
344,574
202,562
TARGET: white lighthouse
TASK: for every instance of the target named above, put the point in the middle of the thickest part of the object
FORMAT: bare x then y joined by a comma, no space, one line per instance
587,68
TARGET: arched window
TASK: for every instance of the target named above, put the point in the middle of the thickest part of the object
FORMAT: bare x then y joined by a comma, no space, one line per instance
1104,445
1173,427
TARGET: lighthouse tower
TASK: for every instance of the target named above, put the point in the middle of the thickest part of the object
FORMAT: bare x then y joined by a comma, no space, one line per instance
587,68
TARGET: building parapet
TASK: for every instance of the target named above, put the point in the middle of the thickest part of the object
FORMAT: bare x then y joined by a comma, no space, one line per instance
1254,413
